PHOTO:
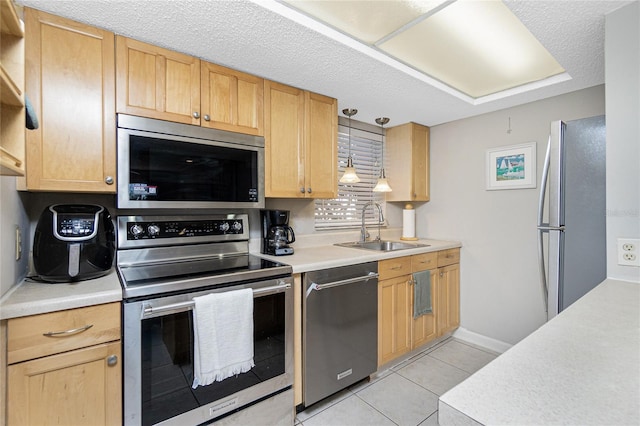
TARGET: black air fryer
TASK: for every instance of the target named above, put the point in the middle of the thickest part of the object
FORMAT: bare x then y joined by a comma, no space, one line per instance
73,242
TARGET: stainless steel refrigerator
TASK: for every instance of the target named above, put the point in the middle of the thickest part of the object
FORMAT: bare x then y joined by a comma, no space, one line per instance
572,244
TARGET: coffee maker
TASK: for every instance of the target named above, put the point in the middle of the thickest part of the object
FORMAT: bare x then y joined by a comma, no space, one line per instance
276,232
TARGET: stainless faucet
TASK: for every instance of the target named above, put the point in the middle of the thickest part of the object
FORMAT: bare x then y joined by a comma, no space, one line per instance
363,230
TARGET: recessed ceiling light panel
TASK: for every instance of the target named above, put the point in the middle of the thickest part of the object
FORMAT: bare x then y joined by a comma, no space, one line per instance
367,21
478,48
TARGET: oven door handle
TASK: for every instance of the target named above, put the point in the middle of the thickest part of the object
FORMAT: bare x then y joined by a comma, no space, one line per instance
149,311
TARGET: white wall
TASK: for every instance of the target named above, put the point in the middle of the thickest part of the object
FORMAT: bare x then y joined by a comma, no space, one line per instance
622,76
501,297
12,214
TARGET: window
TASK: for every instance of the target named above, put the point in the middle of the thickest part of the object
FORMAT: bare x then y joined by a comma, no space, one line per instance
366,150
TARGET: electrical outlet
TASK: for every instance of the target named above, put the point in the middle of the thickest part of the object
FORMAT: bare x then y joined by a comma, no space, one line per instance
629,251
18,243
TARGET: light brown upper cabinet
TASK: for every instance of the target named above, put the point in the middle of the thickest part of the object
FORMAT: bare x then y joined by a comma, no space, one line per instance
301,143
232,100
11,91
159,83
407,167
70,80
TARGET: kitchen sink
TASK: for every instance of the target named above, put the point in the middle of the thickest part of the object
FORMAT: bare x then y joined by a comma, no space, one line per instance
381,245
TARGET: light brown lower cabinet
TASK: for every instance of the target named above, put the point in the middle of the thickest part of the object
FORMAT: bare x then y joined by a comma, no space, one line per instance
400,333
67,382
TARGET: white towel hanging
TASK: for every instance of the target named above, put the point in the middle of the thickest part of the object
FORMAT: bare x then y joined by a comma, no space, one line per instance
223,336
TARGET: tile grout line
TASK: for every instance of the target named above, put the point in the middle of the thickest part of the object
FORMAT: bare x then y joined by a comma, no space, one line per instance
385,416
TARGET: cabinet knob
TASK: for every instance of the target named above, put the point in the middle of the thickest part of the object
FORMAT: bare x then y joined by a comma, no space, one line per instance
441,274
196,114
206,117
109,180
112,360
302,189
309,190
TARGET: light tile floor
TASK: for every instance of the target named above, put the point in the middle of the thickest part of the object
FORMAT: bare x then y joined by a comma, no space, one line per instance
405,394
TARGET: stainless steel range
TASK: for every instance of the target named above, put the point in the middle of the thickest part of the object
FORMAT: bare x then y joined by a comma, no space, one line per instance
163,263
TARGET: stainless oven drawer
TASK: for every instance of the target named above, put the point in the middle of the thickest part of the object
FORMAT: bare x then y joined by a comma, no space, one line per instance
277,410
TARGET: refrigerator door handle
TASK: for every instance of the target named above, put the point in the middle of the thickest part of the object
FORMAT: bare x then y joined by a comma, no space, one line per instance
543,227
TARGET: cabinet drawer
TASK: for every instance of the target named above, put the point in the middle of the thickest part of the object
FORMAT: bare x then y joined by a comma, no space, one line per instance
423,262
394,267
448,257
46,334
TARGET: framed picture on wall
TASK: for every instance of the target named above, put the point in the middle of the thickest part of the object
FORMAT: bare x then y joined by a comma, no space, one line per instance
511,167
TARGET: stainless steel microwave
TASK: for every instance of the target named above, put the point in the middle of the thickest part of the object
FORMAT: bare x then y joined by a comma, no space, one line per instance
171,165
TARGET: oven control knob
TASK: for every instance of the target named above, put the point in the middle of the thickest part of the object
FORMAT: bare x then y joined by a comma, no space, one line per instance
136,230
224,226
153,230
237,226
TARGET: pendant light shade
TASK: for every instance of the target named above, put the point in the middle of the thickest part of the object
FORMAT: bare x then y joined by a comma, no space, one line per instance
382,185
349,175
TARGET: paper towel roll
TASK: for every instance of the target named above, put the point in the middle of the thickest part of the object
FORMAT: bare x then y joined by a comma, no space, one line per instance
408,223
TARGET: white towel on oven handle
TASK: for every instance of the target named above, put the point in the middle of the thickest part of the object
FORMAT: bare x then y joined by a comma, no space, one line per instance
223,336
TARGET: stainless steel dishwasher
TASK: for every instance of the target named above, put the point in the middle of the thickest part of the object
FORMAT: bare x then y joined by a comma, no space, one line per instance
340,329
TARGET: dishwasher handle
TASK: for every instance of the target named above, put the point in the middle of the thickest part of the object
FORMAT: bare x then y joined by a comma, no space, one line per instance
318,287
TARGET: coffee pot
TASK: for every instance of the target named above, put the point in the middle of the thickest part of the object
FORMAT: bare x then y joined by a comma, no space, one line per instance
276,232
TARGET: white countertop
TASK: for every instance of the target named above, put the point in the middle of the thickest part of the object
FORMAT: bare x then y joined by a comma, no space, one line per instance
31,298
305,259
580,368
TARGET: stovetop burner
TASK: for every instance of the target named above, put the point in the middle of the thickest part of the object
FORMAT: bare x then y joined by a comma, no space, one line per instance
158,255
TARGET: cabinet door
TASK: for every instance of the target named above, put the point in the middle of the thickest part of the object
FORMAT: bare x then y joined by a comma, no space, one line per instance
284,141
420,163
321,148
407,148
423,328
74,388
231,100
70,82
394,318
157,83
448,297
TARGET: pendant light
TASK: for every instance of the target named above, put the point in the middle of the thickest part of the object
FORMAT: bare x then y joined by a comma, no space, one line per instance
349,175
382,185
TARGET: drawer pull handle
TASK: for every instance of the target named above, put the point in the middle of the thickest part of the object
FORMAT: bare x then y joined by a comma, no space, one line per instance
67,332
395,268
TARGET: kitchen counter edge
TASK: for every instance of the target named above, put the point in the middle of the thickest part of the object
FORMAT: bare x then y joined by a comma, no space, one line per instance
559,374
314,258
32,298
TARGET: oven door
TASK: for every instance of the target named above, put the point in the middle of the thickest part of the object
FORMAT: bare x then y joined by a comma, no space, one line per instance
158,358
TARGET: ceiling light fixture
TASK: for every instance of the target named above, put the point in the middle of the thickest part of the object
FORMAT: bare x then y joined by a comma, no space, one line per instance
349,175
382,185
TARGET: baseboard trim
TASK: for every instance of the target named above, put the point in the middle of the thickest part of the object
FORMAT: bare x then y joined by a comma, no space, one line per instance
478,339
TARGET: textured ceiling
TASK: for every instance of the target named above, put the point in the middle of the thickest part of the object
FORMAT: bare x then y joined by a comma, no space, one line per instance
252,37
